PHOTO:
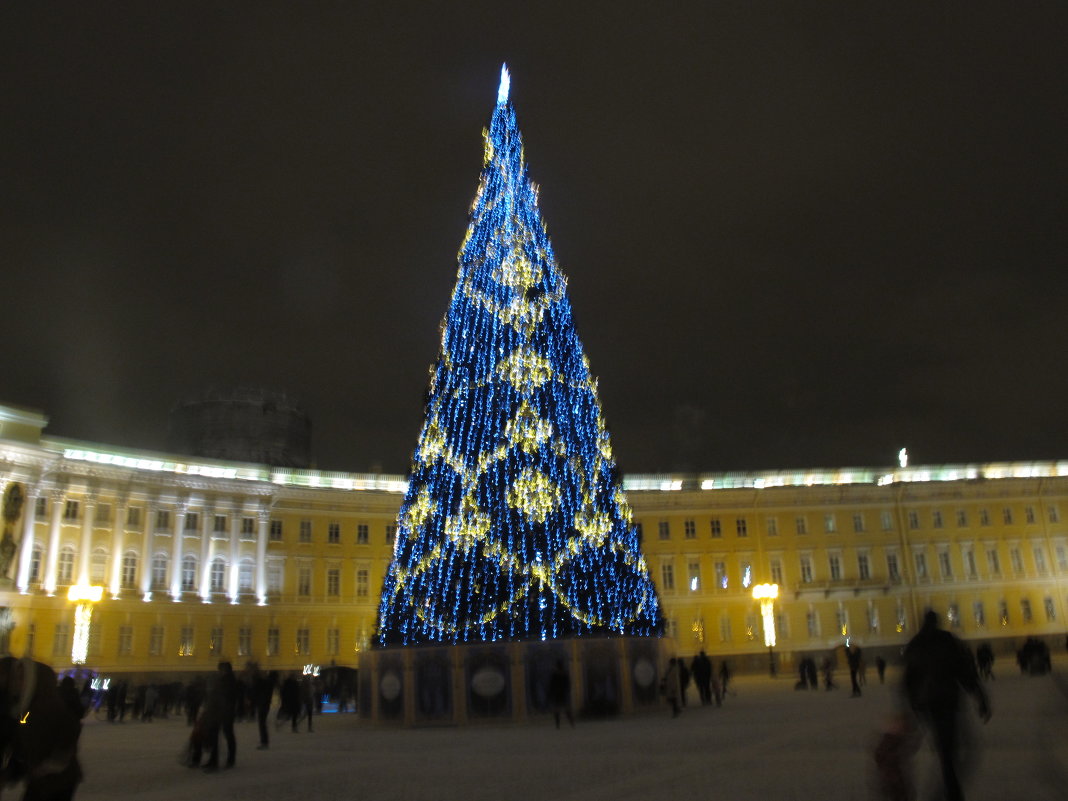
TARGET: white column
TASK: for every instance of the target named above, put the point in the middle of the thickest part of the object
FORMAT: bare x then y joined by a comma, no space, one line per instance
235,554
204,588
149,524
261,556
176,551
118,541
85,547
52,558
29,524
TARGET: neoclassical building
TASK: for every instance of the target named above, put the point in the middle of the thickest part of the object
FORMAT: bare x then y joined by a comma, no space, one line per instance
195,560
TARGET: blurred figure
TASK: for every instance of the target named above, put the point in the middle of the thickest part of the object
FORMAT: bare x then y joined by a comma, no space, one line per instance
221,706
701,668
939,668
985,656
853,658
670,686
560,693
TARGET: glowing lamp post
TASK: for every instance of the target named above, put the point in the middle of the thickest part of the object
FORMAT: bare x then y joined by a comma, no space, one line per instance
766,594
84,595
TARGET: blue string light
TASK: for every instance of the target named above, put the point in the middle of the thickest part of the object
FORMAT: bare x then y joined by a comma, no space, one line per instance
515,525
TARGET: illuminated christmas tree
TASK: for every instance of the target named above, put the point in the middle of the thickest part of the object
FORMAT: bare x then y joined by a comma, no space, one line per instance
515,525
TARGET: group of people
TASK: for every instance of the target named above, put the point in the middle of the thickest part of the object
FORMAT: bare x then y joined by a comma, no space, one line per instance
710,684
298,702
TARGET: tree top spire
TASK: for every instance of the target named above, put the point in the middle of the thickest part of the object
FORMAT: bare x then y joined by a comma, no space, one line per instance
502,90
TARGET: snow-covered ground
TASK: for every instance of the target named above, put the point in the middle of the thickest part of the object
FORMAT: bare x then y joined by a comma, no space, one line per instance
766,742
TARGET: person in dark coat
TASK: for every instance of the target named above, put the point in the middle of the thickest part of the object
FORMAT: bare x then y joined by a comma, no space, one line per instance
560,693
262,694
290,700
222,700
939,669
702,677
853,658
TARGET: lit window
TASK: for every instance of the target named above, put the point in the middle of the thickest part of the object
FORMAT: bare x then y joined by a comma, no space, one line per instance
185,641
694,567
303,642
215,642
721,575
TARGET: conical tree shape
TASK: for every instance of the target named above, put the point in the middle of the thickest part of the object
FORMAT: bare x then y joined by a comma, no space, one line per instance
515,525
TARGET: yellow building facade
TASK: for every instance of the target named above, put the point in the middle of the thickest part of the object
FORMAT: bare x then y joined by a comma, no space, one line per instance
198,560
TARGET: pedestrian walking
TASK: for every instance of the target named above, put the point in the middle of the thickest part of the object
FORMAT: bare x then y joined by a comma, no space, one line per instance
939,670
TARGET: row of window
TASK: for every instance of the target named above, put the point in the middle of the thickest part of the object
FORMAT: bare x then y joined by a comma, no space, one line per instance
830,522
845,627
220,523
190,573
186,643
806,570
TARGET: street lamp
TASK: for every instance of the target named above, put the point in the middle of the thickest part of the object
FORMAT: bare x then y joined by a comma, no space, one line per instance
766,594
84,595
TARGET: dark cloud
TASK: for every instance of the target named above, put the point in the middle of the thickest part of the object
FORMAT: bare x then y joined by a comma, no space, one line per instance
794,236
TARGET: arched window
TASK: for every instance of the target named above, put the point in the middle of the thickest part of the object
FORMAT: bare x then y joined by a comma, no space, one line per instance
244,576
218,575
189,572
65,569
159,571
98,566
129,570
35,565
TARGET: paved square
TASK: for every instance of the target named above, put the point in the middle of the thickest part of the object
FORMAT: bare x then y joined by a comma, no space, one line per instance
766,742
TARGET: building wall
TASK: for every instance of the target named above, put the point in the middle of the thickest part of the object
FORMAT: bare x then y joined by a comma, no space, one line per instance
303,555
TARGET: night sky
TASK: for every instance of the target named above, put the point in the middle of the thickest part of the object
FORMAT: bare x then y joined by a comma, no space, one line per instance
796,234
